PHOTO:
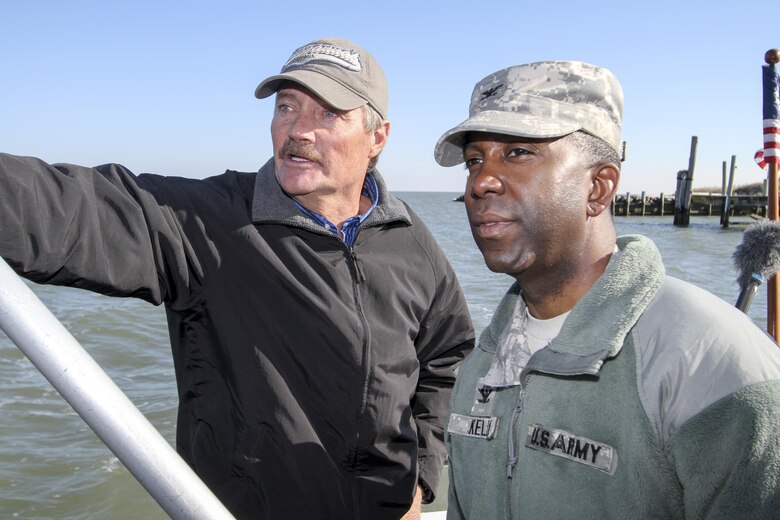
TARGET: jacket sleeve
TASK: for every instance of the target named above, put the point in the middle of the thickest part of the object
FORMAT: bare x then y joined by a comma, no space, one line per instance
100,229
445,337
727,457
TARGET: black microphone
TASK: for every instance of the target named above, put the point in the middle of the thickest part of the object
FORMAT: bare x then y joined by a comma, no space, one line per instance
757,258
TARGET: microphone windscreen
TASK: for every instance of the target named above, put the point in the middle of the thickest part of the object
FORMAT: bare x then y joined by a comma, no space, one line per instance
759,251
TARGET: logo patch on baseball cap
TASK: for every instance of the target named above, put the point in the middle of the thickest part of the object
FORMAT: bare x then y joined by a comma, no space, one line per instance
336,70
324,52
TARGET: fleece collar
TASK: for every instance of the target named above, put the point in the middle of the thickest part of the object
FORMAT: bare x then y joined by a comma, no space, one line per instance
597,326
271,205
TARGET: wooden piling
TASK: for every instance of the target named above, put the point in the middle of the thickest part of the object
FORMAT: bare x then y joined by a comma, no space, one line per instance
682,199
724,216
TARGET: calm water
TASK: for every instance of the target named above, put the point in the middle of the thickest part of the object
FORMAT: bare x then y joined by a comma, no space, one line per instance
53,466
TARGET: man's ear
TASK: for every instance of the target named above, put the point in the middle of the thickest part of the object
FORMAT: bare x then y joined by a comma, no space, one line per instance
605,183
380,138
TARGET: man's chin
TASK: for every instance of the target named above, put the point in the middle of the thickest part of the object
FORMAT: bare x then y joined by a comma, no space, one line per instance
503,263
495,265
298,181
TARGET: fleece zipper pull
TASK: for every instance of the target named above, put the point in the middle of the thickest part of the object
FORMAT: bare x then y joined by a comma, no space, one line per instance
359,274
512,458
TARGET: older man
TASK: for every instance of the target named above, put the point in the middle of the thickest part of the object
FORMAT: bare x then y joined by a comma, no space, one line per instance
602,388
314,322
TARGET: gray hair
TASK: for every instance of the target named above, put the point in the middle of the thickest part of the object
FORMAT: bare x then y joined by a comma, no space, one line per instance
594,149
372,121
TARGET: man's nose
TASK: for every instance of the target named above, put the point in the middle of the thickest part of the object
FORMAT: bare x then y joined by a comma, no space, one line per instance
484,182
302,127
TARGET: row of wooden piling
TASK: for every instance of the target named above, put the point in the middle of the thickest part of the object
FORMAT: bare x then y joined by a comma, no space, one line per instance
685,202
701,204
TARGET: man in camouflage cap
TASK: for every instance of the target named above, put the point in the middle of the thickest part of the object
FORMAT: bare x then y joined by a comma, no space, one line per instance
602,388
543,99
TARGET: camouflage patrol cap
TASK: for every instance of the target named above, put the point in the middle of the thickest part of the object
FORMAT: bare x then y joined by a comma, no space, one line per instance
540,100
339,72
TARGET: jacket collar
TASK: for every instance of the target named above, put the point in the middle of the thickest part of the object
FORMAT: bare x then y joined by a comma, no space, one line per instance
604,317
597,326
270,204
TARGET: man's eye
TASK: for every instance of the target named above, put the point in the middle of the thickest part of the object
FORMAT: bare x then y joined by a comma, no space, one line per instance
472,161
283,108
514,152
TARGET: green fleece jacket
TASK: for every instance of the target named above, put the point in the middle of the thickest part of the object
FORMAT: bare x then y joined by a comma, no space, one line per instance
656,400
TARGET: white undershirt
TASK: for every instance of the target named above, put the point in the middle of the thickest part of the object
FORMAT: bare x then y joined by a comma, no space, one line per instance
522,337
542,332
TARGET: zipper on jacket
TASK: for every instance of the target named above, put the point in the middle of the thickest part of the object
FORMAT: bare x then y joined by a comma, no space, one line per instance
512,456
512,453
359,278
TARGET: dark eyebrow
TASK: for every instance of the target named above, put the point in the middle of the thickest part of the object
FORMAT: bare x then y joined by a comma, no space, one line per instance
280,94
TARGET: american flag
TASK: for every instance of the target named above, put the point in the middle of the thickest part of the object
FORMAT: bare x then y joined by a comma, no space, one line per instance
771,114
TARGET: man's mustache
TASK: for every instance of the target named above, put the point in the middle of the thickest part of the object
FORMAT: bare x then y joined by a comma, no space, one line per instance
300,150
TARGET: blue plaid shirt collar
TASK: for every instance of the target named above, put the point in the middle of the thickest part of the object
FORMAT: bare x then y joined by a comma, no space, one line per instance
349,229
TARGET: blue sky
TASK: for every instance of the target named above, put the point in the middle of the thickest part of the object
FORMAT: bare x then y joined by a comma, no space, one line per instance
167,87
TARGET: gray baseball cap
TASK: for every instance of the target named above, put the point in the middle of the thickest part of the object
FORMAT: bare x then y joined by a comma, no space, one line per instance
540,100
341,73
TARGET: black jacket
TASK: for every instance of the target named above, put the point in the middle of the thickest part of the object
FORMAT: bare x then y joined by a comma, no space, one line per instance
313,378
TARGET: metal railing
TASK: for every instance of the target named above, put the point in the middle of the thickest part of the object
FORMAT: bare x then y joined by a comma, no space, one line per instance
102,404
